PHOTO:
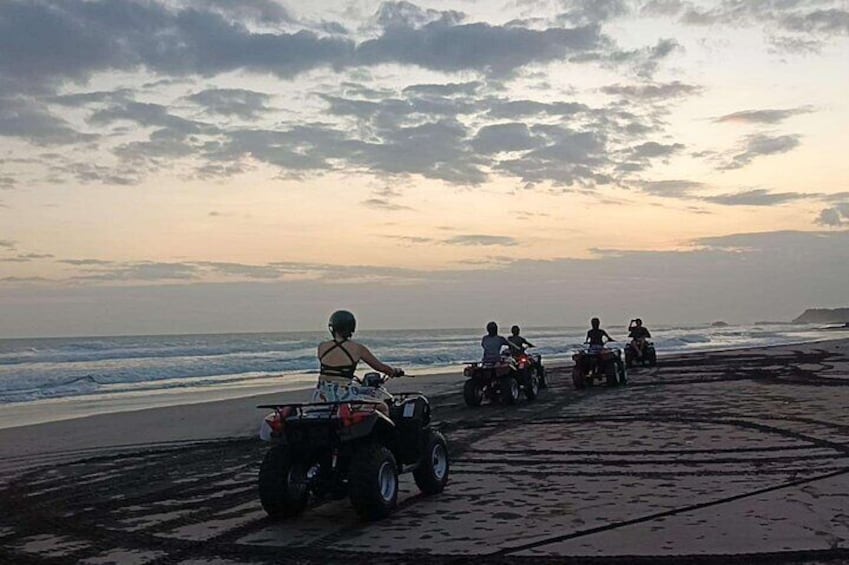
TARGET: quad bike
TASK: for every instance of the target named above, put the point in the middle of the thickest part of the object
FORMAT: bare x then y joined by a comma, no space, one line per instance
502,381
533,362
333,450
649,357
593,365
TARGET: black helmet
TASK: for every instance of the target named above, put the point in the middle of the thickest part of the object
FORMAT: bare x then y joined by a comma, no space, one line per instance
492,328
639,322
343,323
595,322
514,330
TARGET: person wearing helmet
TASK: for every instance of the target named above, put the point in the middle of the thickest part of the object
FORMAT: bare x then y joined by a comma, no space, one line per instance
518,340
638,334
338,358
596,336
492,344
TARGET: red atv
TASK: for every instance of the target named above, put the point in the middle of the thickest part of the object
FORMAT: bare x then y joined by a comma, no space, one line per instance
322,450
593,365
502,381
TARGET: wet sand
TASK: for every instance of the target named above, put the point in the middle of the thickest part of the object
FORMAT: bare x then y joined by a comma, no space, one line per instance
738,456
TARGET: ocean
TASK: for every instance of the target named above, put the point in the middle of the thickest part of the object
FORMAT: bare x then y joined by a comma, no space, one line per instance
50,368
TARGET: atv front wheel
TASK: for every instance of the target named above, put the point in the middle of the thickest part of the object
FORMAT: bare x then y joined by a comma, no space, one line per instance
651,357
282,484
578,378
373,482
472,393
509,390
432,472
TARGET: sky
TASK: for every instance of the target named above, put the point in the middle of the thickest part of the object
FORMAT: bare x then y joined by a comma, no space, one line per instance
169,166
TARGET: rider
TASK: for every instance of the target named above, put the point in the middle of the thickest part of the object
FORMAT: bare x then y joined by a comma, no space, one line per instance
595,336
518,340
339,357
492,344
638,334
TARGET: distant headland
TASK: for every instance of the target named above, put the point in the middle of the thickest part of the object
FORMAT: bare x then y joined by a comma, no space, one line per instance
823,316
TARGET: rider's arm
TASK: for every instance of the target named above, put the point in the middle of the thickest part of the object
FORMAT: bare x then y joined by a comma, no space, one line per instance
607,336
529,344
510,344
648,333
374,362
587,340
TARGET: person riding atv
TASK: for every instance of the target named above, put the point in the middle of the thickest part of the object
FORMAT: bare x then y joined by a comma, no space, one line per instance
492,344
598,361
499,375
338,360
353,440
534,361
640,349
638,334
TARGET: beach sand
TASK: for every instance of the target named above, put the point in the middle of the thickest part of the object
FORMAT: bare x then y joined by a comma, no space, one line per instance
715,457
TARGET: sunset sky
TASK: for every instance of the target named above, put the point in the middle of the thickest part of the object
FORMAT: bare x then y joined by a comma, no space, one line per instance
241,165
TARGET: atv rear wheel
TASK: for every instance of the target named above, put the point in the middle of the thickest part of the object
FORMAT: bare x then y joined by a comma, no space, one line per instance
531,387
509,389
282,484
432,473
543,383
611,373
578,378
373,482
472,393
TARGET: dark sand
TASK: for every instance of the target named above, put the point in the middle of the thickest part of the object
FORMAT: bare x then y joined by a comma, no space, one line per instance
723,457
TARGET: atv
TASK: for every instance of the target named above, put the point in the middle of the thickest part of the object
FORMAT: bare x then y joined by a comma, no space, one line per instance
355,449
649,357
502,381
593,365
533,362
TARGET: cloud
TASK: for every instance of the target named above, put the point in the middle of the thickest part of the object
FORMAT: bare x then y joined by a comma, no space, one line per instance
764,116
407,15
671,188
737,277
384,204
564,157
29,119
26,257
504,137
592,11
834,217
450,89
149,271
653,92
760,145
652,150
263,11
756,197
830,21
245,104
496,50
482,240
47,43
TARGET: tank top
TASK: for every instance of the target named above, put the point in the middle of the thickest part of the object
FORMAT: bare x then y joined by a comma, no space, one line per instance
342,374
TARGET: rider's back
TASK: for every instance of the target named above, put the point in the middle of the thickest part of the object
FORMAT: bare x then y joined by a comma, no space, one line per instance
492,345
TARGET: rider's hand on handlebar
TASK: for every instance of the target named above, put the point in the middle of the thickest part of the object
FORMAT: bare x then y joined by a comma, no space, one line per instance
397,373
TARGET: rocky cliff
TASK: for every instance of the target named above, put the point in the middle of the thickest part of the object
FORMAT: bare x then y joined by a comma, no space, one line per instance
823,316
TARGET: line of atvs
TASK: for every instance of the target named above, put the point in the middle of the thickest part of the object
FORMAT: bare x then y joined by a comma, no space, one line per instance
356,449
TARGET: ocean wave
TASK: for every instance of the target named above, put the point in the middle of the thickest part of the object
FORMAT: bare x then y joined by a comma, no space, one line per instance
51,368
